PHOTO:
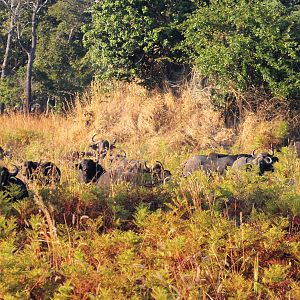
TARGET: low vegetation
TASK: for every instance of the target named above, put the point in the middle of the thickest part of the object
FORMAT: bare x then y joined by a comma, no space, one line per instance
201,76
231,236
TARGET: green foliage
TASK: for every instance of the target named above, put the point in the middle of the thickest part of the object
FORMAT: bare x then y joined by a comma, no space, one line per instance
135,39
24,267
233,42
234,236
180,252
64,292
10,91
61,70
7,226
275,273
5,203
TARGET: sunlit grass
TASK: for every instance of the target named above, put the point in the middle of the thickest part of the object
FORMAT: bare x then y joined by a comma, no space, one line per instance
231,236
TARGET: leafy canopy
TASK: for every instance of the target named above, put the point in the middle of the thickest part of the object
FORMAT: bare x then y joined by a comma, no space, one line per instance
60,68
135,38
247,43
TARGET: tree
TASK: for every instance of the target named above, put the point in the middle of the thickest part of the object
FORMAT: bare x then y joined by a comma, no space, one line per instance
2,29
131,39
7,48
247,43
60,65
23,14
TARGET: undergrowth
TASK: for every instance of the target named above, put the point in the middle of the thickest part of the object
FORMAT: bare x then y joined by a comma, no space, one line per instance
231,236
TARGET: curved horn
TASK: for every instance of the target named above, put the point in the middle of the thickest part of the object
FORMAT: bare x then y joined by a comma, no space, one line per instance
272,149
15,172
253,152
268,160
146,167
93,138
166,179
160,164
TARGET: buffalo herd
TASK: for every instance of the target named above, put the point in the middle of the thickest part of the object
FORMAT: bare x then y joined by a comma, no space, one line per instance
215,162
90,168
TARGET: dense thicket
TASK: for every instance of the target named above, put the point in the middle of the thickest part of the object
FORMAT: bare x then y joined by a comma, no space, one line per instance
247,43
60,64
140,38
239,45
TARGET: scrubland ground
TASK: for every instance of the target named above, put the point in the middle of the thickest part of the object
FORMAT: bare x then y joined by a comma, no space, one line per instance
234,236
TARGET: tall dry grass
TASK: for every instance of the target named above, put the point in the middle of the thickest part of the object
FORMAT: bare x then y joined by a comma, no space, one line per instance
145,123
134,115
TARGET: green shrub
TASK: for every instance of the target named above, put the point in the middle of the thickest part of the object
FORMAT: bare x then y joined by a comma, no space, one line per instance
233,42
10,91
130,39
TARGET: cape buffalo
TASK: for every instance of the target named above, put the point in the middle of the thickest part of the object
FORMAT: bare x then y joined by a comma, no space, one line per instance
8,179
102,147
45,172
214,162
89,170
120,175
264,161
133,171
159,173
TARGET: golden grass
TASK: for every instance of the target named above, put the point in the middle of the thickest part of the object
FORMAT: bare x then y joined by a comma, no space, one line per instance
146,124
134,115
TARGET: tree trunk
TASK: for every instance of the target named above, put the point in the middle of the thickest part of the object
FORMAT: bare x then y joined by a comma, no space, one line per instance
29,82
7,49
8,43
31,57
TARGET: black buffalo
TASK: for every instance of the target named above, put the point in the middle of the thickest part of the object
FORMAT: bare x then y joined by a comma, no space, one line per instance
89,170
8,180
44,172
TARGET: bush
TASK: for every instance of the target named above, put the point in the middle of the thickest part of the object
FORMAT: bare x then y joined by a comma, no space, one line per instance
130,39
233,42
10,91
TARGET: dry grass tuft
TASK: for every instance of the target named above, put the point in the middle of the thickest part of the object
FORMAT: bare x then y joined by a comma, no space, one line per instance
131,113
257,132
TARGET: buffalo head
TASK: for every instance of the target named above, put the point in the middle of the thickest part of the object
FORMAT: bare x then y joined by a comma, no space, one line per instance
90,170
102,147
